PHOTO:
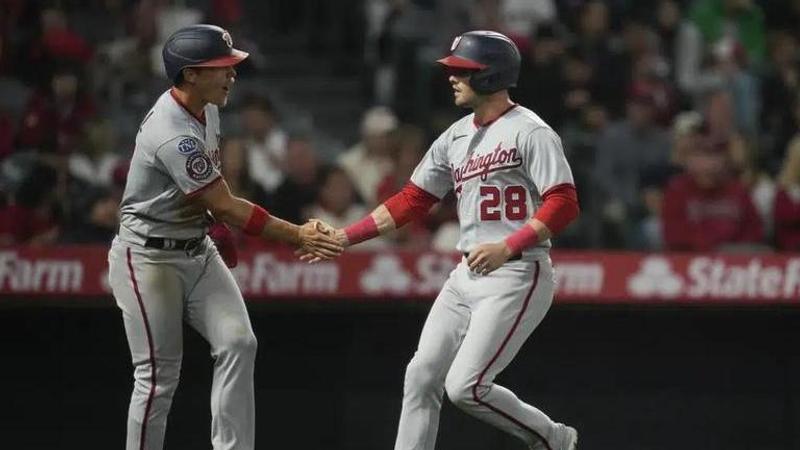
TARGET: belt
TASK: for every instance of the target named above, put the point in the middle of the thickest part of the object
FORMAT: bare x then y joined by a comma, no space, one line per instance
172,244
516,257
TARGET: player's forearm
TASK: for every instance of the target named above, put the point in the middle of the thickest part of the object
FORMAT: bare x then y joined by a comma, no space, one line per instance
378,222
245,215
558,210
280,230
234,211
383,219
540,228
408,204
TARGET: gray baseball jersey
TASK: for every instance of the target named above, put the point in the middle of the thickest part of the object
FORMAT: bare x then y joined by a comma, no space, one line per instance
160,289
478,323
498,172
176,155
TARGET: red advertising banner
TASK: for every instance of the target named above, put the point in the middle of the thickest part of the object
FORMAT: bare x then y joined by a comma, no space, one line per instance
582,277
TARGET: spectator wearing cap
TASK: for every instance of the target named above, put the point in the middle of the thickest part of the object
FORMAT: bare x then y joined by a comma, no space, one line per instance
624,151
707,208
370,160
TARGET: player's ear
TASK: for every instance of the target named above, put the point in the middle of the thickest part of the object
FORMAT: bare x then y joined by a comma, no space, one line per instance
189,75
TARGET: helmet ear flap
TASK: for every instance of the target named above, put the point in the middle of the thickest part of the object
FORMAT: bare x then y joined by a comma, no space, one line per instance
483,81
487,80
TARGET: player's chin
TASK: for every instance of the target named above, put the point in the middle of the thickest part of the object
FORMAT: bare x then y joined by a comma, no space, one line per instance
220,100
461,101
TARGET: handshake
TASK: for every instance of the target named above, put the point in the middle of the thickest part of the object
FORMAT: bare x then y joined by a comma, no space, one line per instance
318,241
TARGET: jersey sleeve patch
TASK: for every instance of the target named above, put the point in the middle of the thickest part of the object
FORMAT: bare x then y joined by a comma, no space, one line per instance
187,146
199,166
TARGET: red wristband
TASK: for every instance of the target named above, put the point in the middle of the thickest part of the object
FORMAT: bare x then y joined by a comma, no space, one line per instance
521,239
362,230
255,224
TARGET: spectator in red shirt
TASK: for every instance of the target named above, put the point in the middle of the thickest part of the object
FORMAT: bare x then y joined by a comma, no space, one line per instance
59,42
54,118
707,208
787,199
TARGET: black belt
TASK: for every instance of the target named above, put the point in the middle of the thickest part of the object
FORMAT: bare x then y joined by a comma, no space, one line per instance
516,257
172,244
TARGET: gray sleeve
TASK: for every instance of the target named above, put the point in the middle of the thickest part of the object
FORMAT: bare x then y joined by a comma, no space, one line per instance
545,160
433,174
185,160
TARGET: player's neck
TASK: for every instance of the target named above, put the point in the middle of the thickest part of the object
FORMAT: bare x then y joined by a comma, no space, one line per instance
190,100
489,107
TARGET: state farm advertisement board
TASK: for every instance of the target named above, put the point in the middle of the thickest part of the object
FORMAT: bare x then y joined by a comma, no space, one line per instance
73,273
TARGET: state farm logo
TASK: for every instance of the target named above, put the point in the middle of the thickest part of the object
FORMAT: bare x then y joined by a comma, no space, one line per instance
753,279
269,275
39,275
386,274
717,277
655,278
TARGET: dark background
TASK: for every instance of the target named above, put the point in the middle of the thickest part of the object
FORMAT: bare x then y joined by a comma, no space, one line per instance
330,376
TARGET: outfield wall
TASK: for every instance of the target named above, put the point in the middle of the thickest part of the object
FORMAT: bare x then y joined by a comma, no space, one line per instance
329,375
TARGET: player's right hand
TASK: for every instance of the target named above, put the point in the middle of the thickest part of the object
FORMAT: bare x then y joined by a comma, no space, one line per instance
336,233
315,241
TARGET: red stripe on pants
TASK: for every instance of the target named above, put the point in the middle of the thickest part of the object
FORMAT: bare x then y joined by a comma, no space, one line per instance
152,357
497,355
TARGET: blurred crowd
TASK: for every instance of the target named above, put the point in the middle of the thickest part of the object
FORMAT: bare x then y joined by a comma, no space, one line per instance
681,119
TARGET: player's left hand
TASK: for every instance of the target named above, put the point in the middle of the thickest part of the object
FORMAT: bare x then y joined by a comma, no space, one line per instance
486,258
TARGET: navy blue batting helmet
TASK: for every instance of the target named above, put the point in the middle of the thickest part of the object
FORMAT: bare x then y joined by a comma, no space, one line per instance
199,46
493,56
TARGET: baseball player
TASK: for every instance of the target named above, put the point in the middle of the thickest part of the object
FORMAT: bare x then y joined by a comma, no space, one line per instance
514,190
164,269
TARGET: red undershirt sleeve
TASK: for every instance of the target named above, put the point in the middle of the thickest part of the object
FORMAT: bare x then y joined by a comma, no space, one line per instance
411,202
559,207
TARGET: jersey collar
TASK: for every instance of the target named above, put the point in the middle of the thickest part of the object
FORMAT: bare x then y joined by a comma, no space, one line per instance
200,118
491,121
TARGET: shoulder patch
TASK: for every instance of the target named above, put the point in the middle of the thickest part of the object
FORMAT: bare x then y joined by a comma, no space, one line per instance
199,166
187,146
